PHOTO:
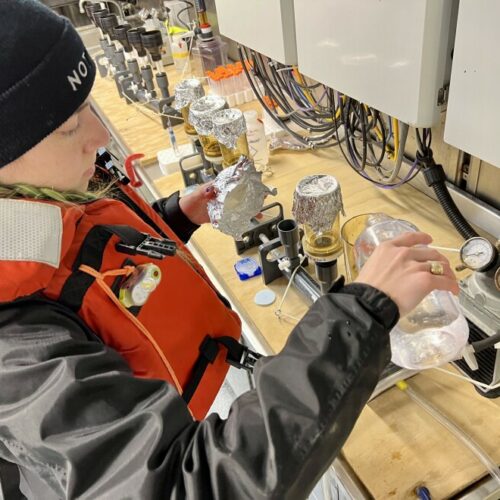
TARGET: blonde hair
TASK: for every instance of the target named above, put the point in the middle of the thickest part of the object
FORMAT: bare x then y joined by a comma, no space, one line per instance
46,193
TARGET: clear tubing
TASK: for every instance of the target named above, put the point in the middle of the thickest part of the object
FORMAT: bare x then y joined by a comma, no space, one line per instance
459,433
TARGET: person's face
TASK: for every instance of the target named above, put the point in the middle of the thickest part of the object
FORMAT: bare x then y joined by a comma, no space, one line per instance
64,160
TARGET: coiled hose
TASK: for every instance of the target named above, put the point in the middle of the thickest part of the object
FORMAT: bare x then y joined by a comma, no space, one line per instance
435,177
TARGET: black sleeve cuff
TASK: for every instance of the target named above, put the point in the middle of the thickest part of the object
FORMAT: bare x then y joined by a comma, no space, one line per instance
380,305
171,213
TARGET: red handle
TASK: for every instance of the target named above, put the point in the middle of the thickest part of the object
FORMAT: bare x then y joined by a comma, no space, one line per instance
131,162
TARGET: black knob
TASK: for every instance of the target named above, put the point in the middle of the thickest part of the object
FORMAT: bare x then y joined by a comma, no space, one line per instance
120,33
134,37
152,42
97,14
108,23
90,8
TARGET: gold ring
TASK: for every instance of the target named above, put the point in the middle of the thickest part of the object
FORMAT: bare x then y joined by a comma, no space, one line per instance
437,267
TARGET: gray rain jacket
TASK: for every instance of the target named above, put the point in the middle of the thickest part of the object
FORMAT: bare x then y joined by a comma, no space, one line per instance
80,425
76,423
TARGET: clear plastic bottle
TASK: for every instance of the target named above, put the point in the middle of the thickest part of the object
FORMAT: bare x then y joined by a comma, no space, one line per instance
210,50
257,142
433,333
180,55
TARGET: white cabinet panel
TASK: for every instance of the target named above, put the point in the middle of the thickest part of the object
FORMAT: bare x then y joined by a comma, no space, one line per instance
473,116
389,54
266,26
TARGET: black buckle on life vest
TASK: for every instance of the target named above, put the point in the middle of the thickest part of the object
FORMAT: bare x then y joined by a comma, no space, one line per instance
155,248
246,360
238,355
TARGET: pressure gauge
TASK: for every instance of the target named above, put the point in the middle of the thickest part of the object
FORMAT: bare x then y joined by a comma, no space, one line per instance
478,253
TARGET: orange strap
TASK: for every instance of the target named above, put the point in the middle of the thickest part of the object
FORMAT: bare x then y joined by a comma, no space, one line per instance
126,271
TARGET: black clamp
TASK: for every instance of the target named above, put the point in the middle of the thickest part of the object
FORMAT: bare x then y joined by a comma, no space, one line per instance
246,360
154,248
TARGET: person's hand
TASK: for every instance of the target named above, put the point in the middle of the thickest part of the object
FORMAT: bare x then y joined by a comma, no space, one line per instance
194,205
403,271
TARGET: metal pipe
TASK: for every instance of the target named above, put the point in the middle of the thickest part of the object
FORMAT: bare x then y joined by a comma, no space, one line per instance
119,7
304,283
302,280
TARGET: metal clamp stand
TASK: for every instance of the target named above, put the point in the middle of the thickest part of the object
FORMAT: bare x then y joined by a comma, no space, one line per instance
197,172
268,228
309,288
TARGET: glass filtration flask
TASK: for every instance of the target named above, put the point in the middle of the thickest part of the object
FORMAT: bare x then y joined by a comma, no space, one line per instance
186,92
436,331
317,203
230,131
201,114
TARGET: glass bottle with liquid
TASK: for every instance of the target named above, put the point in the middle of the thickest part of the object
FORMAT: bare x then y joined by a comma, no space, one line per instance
317,204
325,245
201,114
433,333
230,131
186,92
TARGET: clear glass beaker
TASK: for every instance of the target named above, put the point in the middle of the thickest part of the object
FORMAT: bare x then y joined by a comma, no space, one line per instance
350,232
323,245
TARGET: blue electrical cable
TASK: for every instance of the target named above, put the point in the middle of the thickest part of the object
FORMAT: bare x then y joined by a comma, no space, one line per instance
423,493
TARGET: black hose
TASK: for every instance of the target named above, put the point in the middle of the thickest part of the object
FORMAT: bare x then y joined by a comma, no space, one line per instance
481,345
435,177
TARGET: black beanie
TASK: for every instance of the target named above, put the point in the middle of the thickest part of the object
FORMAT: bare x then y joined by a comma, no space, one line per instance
45,75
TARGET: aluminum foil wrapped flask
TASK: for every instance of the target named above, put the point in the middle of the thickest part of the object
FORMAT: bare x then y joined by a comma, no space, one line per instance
230,130
201,113
186,92
317,204
240,197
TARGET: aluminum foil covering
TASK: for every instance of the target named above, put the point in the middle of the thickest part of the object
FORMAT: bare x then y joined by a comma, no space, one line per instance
186,92
229,125
201,113
240,196
317,201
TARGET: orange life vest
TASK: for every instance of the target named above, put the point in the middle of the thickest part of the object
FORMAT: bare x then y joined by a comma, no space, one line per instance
164,337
